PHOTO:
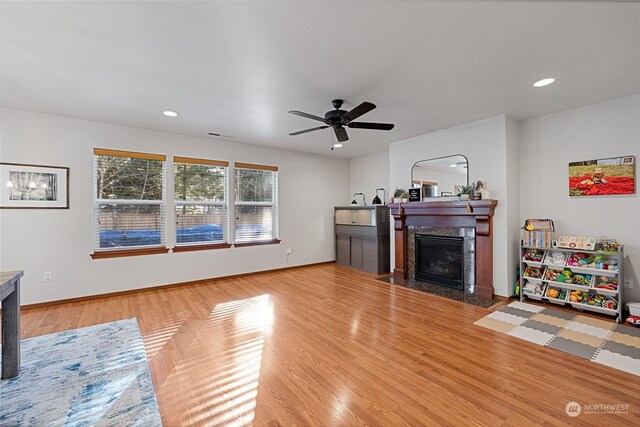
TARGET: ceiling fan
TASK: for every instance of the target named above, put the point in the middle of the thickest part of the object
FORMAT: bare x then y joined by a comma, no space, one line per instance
339,119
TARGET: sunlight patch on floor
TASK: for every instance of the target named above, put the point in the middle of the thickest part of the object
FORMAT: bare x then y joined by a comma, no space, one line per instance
228,392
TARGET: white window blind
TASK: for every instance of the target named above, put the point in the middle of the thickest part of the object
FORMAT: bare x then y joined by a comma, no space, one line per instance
201,201
129,200
256,203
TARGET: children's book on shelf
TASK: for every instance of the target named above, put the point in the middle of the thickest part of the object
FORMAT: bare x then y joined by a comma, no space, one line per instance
538,233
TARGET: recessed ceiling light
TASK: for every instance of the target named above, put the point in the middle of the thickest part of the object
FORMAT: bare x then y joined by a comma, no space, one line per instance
170,113
338,145
544,82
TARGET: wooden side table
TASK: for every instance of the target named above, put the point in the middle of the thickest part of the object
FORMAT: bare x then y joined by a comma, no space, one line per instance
10,295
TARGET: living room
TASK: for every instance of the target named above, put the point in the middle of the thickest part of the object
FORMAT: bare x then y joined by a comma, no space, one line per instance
316,343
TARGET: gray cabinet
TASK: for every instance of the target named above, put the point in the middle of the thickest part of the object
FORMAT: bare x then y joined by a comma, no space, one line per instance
362,237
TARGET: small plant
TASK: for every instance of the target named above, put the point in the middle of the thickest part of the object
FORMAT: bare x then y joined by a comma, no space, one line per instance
404,195
398,193
465,189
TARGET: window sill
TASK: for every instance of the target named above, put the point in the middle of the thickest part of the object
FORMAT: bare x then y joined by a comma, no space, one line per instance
128,252
257,243
189,248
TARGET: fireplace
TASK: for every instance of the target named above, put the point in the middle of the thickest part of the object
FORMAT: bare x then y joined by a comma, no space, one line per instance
440,260
471,220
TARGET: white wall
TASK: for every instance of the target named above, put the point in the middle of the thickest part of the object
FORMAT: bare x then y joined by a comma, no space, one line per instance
368,173
484,143
549,143
513,200
60,241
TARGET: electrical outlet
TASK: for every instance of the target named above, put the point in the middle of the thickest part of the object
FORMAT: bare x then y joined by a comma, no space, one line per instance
628,283
48,276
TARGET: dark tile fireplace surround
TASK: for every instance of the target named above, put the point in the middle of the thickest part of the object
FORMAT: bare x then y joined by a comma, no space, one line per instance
461,226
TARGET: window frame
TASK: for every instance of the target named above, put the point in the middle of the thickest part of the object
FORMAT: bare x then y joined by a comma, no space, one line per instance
99,252
274,204
193,246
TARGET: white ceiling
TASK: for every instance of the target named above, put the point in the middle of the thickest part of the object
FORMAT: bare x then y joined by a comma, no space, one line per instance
236,68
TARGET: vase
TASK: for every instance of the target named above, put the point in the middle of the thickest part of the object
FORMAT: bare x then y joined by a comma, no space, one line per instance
405,200
464,197
397,200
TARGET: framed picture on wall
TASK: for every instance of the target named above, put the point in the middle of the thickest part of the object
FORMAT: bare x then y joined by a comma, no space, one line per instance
33,186
602,177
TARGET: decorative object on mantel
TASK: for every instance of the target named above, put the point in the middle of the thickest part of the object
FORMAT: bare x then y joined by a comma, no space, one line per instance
602,177
479,191
24,186
473,194
397,195
464,192
404,196
415,195
476,194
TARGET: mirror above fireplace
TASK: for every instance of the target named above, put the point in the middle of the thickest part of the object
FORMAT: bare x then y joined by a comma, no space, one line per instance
440,176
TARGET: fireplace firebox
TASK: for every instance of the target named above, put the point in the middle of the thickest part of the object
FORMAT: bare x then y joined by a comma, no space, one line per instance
440,260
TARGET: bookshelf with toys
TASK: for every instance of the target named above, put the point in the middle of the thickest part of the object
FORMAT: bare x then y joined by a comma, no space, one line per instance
584,273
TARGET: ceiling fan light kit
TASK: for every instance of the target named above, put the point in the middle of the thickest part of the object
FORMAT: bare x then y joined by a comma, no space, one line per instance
338,119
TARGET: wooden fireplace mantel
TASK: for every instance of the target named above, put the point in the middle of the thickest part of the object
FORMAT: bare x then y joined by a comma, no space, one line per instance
477,214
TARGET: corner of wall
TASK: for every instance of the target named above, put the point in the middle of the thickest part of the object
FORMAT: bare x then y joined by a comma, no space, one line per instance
512,162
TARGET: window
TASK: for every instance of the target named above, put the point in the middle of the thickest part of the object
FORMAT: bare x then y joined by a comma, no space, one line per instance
201,201
256,203
129,200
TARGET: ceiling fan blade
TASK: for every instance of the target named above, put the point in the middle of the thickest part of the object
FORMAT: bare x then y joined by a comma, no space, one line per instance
376,126
308,116
300,132
361,109
341,134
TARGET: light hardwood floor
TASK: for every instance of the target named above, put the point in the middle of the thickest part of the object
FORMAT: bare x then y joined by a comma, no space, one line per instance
326,345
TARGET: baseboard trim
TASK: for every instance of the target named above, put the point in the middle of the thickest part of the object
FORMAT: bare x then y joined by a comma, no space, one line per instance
501,301
168,285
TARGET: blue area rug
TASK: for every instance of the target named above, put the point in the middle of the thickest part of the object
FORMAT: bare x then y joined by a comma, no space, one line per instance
97,375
